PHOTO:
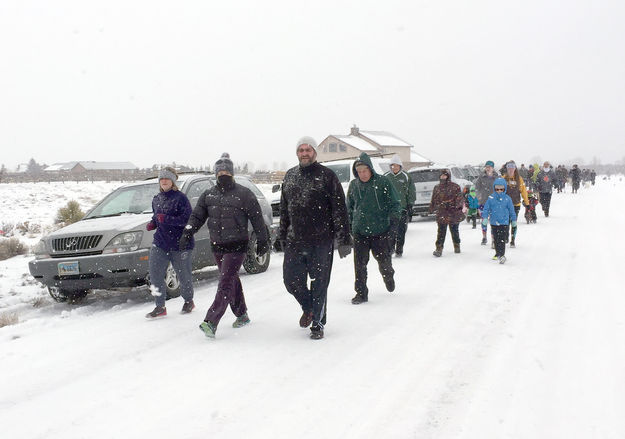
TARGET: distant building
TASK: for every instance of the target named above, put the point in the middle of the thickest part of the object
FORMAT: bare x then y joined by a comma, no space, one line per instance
93,170
376,143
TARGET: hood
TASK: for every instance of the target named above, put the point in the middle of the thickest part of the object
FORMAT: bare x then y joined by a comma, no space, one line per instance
122,223
447,173
500,182
365,159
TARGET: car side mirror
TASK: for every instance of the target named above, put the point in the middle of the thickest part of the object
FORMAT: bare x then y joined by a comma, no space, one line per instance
275,188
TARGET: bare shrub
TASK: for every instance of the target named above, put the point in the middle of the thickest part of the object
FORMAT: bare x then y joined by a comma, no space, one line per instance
69,214
8,318
10,247
39,301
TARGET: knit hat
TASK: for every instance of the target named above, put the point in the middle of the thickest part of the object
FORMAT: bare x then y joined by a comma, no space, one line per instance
166,173
396,160
224,164
490,163
306,140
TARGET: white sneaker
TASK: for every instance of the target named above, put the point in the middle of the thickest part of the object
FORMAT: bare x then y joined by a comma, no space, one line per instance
502,259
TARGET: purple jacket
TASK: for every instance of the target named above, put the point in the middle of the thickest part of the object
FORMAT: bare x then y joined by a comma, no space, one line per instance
177,210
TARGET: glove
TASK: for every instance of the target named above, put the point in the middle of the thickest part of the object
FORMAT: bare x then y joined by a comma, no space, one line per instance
150,226
160,217
262,247
484,221
185,239
513,223
344,250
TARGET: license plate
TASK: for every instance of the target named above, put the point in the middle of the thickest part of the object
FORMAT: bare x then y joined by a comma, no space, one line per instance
67,268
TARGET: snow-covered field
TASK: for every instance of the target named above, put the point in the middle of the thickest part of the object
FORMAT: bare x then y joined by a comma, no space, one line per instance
465,347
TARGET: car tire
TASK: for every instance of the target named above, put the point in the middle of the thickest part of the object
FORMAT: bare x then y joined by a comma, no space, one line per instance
172,283
61,295
253,263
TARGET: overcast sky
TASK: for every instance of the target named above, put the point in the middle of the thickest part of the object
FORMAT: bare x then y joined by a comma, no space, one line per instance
464,81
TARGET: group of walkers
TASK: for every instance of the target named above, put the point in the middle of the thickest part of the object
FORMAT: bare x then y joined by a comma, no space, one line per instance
575,175
316,217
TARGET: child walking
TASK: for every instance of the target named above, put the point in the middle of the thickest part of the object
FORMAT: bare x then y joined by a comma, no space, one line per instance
500,211
472,206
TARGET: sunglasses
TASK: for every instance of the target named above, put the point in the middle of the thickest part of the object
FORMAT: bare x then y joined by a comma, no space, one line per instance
499,189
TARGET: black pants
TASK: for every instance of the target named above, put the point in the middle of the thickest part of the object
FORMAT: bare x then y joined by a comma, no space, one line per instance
442,231
516,211
398,233
545,201
380,248
302,262
499,236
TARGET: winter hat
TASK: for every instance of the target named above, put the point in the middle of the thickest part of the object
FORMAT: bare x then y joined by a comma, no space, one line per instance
396,160
166,173
306,140
490,163
224,164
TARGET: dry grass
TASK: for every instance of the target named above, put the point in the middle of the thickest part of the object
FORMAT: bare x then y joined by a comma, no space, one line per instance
8,318
40,301
10,247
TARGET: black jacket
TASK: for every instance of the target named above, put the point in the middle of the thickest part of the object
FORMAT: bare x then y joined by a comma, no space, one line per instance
226,210
312,207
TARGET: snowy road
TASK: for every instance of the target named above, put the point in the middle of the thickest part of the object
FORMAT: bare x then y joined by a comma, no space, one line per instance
465,348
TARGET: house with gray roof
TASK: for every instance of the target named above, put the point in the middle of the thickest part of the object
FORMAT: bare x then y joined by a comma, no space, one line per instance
374,143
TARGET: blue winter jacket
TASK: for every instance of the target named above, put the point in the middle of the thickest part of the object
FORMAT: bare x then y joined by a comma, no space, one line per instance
499,208
177,210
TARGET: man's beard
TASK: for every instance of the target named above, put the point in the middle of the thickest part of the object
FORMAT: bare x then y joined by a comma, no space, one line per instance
306,162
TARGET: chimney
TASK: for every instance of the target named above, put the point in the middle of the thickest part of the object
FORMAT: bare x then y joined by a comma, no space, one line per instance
355,131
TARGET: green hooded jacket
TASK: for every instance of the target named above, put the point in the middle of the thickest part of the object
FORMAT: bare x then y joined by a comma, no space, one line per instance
372,204
404,186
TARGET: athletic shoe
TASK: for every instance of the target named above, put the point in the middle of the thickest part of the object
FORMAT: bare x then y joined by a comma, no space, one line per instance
208,329
187,307
502,259
241,321
159,311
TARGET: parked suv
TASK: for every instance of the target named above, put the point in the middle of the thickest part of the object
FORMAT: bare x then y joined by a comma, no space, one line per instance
425,178
110,246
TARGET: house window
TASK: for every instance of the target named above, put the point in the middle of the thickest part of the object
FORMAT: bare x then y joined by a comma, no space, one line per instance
332,147
342,147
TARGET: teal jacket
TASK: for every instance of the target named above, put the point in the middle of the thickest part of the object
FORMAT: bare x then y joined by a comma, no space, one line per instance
403,184
372,204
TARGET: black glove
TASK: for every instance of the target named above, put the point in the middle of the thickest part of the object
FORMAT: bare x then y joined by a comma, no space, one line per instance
185,239
262,247
344,250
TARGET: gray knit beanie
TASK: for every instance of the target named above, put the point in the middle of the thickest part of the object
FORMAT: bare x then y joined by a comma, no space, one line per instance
306,140
166,173
224,164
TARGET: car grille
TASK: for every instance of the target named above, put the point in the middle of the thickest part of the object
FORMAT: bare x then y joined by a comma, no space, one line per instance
75,243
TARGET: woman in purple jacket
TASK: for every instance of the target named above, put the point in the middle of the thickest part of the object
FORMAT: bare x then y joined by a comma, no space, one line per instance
171,212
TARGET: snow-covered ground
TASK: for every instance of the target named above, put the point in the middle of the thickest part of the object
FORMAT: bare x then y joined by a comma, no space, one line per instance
465,348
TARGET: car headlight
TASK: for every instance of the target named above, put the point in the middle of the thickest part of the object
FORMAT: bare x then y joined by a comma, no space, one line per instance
40,250
125,242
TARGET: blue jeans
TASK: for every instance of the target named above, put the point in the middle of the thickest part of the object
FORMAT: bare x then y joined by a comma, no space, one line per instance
181,261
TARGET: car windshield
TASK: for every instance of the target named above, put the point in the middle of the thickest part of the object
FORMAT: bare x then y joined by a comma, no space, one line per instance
425,175
341,171
131,199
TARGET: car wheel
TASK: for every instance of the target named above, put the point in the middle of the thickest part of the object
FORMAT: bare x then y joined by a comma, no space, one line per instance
60,295
172,283
253,263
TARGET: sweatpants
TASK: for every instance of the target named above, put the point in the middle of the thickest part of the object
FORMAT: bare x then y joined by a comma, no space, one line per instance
229,289
398,233
377,245
306,261
442,232
545,201
499,236
158,263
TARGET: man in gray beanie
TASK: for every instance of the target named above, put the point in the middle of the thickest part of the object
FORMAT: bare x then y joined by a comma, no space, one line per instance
224,164
403,184
313,214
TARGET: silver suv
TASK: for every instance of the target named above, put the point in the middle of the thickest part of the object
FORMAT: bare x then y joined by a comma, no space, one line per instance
110,246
